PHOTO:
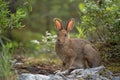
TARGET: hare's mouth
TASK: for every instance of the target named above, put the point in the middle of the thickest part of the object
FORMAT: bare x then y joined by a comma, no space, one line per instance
60,43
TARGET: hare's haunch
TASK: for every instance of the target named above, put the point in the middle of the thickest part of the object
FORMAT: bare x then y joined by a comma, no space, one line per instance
77,53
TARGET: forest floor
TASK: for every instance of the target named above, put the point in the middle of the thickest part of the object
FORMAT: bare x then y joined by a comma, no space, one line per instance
34,65
48,65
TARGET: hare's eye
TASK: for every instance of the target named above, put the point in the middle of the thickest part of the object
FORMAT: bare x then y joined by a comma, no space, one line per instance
65,35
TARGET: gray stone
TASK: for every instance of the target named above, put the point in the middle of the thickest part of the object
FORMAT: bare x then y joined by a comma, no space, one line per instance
27,76
116,78
98,73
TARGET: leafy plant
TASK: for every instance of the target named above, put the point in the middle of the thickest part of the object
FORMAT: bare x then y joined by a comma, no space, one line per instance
48,42
81,32
43,46
8,21
5,57
100,18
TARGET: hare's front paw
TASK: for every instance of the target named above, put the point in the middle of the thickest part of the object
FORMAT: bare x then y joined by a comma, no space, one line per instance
65,72
58,71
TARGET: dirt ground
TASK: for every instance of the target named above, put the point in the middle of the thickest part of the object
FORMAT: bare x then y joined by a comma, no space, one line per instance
45,69
34,66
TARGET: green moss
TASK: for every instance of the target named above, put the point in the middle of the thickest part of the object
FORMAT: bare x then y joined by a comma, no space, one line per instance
114,67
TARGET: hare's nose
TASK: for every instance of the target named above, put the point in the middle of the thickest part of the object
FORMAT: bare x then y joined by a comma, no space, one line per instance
58,40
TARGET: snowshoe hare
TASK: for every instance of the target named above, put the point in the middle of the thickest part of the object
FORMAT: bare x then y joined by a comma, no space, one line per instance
74,53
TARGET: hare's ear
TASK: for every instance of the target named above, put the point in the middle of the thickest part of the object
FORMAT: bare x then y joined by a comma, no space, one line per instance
70,24
58,24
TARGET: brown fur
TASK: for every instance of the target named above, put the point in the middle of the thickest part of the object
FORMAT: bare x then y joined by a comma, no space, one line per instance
77,53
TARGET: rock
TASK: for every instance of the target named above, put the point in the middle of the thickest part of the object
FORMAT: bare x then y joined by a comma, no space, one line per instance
98,73
116,78
28,76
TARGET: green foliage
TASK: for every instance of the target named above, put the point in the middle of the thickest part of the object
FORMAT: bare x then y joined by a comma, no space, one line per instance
48,42
100,20
4,21
81,32
16,19
5,57
8,21
46,45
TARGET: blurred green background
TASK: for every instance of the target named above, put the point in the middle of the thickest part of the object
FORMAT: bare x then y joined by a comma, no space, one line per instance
41,15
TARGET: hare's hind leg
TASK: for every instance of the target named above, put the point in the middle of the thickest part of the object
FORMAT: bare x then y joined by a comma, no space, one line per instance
86,65
91,55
